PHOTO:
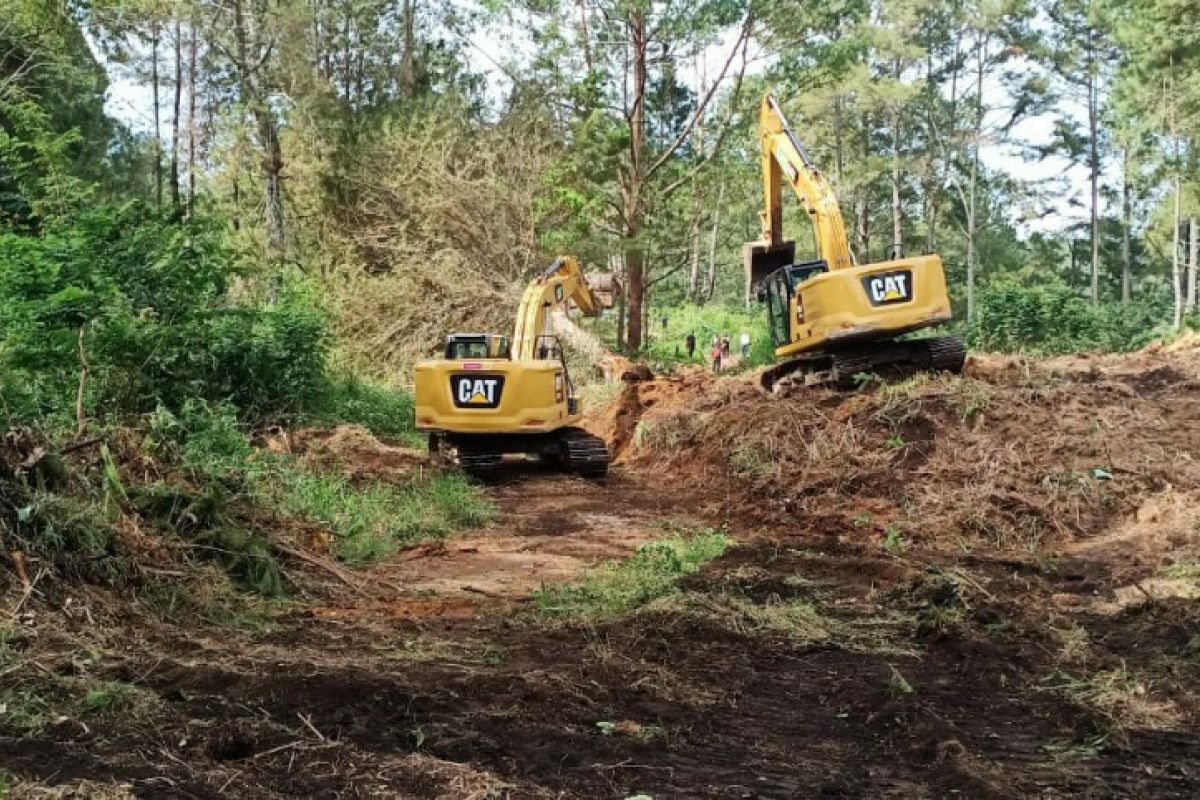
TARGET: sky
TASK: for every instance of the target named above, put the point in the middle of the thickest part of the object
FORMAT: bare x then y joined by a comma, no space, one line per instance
1062,188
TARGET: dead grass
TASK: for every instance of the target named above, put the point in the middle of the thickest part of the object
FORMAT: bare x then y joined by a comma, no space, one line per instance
1128,701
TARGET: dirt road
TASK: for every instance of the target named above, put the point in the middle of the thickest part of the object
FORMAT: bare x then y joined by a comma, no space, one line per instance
922,674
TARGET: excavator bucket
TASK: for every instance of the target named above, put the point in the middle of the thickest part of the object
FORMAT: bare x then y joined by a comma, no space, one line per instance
761,259
605,287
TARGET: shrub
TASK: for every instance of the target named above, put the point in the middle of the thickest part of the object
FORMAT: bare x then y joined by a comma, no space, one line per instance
144,299
379,409
1053,318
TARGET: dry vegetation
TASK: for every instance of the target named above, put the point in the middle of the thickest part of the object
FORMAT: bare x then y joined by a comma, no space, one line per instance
437,234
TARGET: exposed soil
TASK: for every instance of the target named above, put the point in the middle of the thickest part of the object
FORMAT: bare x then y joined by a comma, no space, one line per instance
975,652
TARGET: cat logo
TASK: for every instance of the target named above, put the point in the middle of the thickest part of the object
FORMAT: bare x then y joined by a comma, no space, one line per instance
476,391
888,287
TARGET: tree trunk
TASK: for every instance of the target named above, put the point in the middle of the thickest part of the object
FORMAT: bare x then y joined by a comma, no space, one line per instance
1126,225
192,129
175,201
897,222
951,125
584,37
973,188
1175,272
693,286
268,135
617,266
1193,252
864,208
712,247
631,190
1094,164
155,35
408,60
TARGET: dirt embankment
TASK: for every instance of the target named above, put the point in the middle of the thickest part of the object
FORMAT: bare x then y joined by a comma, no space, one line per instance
1017,455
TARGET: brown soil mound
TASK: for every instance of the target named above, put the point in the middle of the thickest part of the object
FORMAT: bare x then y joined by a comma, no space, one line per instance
1015,454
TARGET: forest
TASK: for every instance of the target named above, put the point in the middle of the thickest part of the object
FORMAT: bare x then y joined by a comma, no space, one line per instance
230,228
394,163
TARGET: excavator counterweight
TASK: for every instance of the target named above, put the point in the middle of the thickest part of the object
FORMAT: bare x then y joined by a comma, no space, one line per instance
832,319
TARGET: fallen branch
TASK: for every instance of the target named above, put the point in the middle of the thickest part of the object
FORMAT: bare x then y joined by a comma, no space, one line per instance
325,564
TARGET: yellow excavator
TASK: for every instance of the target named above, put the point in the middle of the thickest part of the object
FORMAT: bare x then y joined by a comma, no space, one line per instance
490,395
832,319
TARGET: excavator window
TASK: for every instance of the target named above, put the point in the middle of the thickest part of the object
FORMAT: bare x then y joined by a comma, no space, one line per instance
779,291
547,348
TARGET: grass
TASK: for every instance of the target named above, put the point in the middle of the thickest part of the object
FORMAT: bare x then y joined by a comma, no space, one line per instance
367,521
428,649
621,587
24,711
1126,700
1183,571
798,620
116,696
752,460
207,595
377,520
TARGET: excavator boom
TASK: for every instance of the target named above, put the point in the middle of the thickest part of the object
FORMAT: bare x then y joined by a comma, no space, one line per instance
784,159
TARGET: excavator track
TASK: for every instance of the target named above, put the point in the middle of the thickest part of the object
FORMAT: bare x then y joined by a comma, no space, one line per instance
583,453
891,360
947,354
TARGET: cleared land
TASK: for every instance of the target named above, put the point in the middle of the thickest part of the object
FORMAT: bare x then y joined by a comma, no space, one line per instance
985,585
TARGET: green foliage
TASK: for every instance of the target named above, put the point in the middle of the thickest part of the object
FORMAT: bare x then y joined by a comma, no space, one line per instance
382,410
1052,318
114,696
620,587
707,321
143,300
368,520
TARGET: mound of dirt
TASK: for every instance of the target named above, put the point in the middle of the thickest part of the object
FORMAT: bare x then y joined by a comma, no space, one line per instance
1015,454
354,451
691,390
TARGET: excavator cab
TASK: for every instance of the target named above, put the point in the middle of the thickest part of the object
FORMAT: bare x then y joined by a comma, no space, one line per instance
477,345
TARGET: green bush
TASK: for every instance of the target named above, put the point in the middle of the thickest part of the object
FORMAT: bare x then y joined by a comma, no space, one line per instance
145,297
1053,318
379,409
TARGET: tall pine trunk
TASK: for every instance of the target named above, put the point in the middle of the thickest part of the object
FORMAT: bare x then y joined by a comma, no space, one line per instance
193,131
973,199
268,134
155,36
408,60
1126,225
633,207
1176,282
1193,252
897,221
1094,164
175,200
712,247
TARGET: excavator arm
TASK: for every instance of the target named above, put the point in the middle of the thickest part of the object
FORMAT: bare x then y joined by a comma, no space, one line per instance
784,161
562,281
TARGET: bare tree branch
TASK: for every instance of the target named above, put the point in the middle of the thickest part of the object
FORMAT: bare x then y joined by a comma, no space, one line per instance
703,106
